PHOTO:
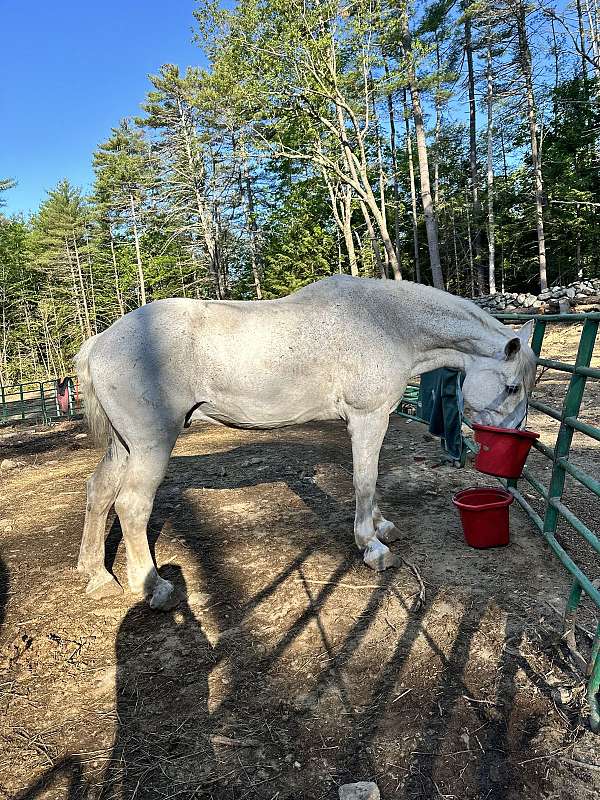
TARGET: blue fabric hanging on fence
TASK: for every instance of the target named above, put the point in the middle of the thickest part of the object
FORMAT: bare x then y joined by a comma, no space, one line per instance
441,404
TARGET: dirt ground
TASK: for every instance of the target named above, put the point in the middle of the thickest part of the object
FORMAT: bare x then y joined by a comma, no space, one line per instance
288,667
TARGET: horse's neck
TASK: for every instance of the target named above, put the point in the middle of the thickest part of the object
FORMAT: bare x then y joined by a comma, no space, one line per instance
453,335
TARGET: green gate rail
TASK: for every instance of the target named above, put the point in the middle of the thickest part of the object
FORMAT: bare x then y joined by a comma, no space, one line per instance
36,401
554,508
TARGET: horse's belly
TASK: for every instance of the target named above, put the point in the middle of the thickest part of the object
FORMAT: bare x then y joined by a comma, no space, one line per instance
249,413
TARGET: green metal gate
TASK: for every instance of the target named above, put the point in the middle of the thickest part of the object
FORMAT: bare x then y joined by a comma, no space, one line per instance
36,401
552,496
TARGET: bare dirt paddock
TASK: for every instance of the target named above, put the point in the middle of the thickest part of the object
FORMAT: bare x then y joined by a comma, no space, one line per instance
288,667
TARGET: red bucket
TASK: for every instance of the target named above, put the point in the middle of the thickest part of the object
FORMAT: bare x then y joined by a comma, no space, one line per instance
502,451
484,516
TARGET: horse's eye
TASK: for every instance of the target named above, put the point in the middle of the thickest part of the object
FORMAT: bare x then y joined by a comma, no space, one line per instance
512,388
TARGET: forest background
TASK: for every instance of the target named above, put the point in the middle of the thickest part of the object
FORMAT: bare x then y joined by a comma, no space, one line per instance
452,143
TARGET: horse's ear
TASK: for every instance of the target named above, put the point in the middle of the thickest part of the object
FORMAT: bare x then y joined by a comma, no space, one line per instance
524,333
512,348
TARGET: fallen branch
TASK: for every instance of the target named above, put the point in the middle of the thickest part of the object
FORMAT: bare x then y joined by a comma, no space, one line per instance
486,702
577,763
420,601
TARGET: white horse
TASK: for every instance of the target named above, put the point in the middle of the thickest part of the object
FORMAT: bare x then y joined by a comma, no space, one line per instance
341,348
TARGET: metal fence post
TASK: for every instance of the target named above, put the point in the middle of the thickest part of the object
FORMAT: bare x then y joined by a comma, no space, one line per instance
539,329
570,408
43,398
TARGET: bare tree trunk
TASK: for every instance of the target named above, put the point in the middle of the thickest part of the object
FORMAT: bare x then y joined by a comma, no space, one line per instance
481,278
490,172
455,250
32,343
253,233
470,243
116,273
525,64
49,356
341,208
391,262
580,25
504,164
438,126
594,34
373,239
413,193
60,361
91,274
347,229
428,208
75,291
138,255
394,154
86,311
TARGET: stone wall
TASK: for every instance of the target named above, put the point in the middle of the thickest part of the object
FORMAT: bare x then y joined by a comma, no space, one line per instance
561,299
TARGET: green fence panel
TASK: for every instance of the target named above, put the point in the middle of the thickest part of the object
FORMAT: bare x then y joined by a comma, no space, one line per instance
36,402
554,508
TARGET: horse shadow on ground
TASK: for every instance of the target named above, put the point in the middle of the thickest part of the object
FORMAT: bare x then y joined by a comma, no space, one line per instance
205,717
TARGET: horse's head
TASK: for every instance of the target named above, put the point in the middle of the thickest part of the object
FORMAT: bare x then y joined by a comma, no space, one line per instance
496,389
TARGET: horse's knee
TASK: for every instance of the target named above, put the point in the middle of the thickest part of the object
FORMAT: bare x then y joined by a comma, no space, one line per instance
133,506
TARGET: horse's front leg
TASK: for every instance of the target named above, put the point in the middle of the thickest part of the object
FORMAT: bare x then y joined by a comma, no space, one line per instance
367,432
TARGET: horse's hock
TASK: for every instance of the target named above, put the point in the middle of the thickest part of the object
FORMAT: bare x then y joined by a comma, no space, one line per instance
290,668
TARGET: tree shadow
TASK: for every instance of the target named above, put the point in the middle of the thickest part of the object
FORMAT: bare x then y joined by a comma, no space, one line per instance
68,769
258,698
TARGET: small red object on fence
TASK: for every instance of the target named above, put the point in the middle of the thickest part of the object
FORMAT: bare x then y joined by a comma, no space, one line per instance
502,451
484,516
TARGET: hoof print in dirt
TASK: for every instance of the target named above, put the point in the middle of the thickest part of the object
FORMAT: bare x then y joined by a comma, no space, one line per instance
363,790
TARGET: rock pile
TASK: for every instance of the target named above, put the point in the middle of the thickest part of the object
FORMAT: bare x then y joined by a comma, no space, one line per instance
558,299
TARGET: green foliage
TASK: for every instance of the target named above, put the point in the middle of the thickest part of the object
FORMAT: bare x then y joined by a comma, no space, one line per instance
300,246
227,184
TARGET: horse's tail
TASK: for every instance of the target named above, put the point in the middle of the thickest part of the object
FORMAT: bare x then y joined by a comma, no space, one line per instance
95,416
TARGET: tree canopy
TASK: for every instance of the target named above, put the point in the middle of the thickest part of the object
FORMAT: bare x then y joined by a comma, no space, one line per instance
453,144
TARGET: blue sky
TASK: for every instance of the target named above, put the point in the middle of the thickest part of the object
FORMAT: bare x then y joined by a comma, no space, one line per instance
69,71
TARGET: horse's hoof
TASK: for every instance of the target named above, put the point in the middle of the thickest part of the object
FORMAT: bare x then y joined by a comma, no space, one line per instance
164,597
378,557
387,532
103,586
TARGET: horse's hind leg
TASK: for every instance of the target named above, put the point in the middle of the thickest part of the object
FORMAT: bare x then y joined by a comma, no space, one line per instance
102,488
146,468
